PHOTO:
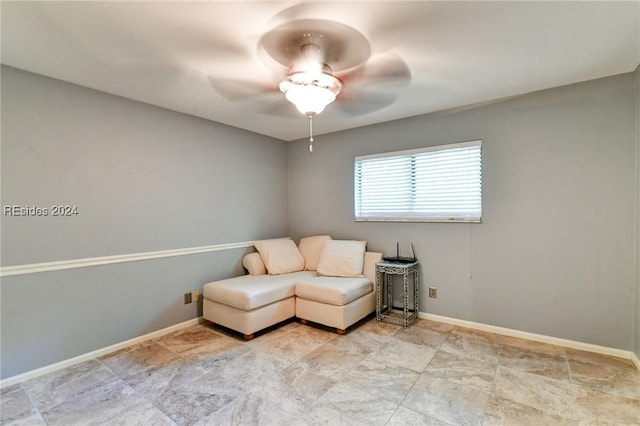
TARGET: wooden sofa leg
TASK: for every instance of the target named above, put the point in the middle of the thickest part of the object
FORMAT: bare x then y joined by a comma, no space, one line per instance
248,336
340,331
303,321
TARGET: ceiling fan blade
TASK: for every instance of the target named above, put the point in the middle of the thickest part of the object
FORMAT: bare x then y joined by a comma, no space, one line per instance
237,90
224,51
280,107
387,67
354,103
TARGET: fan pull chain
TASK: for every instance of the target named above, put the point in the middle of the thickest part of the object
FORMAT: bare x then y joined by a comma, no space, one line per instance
310,132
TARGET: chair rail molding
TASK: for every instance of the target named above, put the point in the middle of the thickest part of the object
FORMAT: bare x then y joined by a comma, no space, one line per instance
34,268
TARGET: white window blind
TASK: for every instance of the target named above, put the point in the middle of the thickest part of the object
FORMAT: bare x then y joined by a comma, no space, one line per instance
433,184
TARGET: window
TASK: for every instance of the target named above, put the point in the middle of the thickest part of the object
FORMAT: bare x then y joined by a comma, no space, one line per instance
433,184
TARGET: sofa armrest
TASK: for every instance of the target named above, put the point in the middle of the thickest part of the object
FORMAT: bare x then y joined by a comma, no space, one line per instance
253,263
370,260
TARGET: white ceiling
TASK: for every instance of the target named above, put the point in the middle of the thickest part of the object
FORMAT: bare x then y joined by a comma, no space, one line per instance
459,53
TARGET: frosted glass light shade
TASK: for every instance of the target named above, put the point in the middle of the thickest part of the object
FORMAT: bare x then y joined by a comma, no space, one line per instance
310,99
310,92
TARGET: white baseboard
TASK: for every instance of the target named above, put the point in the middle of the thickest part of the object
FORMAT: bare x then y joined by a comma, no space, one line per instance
10,381
604,350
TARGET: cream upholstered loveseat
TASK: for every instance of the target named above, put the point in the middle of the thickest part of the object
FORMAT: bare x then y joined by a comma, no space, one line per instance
322,280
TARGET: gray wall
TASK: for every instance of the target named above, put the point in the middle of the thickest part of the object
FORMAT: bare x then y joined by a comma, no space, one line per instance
143,179
555,252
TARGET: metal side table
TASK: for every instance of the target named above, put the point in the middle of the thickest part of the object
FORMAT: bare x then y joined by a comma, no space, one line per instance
385,311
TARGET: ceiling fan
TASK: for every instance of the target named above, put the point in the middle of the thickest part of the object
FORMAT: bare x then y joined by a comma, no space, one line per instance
322,61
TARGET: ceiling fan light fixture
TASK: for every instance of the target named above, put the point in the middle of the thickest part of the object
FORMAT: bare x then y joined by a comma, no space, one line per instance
309,99
311,92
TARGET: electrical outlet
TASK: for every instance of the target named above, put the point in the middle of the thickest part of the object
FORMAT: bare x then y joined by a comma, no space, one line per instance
433,292
195,295
187,298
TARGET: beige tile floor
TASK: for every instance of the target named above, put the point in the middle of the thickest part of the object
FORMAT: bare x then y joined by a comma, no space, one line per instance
377,374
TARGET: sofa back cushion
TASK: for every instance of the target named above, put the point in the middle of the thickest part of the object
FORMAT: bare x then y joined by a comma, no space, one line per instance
342,258
310,247
280,256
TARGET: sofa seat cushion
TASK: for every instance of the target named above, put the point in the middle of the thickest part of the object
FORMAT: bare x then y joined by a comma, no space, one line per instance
253,291
333,290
